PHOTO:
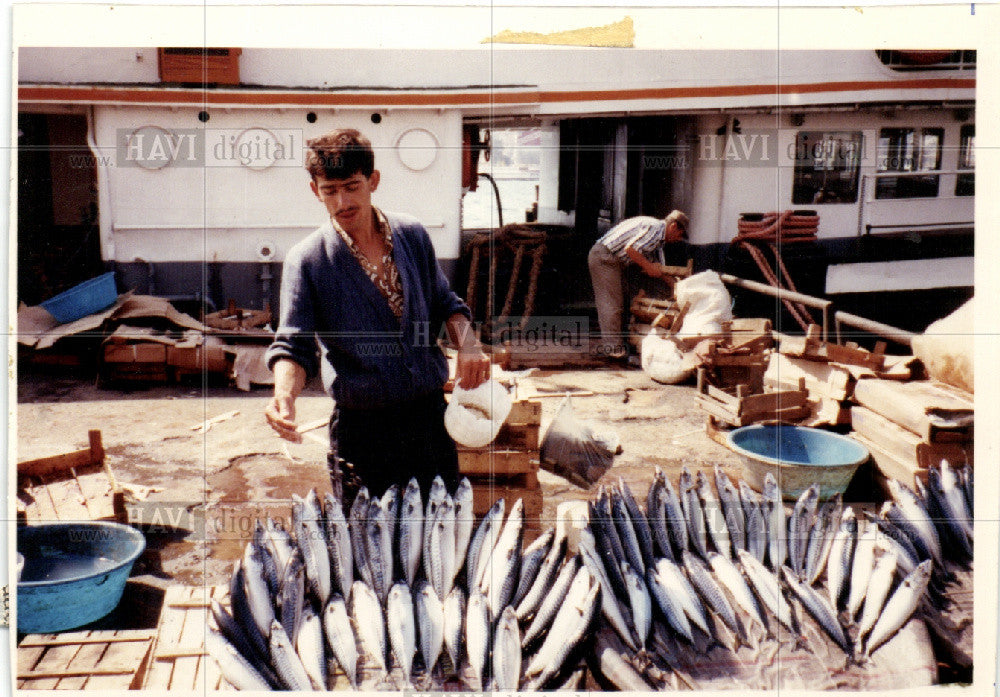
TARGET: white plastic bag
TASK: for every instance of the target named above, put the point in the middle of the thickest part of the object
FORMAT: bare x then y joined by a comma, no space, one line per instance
709,303
663,361
474,417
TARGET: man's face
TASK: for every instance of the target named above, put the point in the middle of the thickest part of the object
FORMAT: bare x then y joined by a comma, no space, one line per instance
673,232
348,201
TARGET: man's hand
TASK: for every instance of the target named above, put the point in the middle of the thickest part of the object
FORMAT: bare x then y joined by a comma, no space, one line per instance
472,367
289,379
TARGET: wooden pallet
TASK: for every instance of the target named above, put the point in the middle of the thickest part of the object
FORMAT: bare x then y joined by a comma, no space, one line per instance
743,408
179,660
72,486
95,660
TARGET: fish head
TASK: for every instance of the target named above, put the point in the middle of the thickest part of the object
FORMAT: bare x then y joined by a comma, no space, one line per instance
437,487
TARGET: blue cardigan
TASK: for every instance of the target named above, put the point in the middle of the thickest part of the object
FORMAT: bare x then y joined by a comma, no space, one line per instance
369,358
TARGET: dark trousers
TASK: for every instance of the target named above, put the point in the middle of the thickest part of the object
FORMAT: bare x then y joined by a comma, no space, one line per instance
376,448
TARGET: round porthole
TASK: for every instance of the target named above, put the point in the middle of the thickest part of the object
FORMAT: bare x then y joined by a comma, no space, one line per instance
257,148
417,149
153,147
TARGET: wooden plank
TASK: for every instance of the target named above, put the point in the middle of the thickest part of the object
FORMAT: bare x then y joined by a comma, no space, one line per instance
926,408
503,463
55,465
89,655
786,414
821,379
888,465
85,638
53,659
904,445
127,654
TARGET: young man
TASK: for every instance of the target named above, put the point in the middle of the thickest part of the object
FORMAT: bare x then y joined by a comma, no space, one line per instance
368,287
631,240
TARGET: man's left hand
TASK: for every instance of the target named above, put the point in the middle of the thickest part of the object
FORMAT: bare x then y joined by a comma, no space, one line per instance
472,368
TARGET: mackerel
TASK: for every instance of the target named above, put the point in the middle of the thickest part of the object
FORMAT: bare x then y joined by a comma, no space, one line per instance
338,544
835,508
569,628
531,563
292,596
465,520
609,604
443,547
369,620
777,526
286,661
257,592
676,520
402,628
639,523
235,668
375,551
501,573
482,544
917,519
278,541
877,592
898,540
477,637
689,600
817,606
715,518
900,607
430,624
861,570
242,612
507,652
390,503
454,624
543,579
667,600
711,592
315,557
358,518
693,513
730,577
411,531
656,515
838,569
553,601
233,633
954,498
969,491
756,521
268,558
798,532
627,533
639,602
309,646
340,637
732,508
953,536
435,498
607,543
768,589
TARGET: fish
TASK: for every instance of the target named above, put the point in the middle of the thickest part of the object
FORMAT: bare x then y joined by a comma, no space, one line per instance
358,518
898,540
481,547
278,541
435,498
801,521
292,596
656,515
507,652
627,534
338,544
477,637
756,521
715,518
730,577
309,646
234,634
544,578
340,637
767,588
268,558
817,606
233,665
315,557
375,552
242,613
676,522
835,511
402,628
954,498
900,607
531,563
411,531
430,624
691,504
639,523
639,602
257,593
838,568
967,489
861,570
777,526
465,520
454,625
878,590
678,584
286,660
501,577
370,622
609,604
917,520
668,602
732,509
608,544
442,547
552,602
568,629
711,592
955,543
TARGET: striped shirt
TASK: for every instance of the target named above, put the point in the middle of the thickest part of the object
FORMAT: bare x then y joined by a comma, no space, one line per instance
644,232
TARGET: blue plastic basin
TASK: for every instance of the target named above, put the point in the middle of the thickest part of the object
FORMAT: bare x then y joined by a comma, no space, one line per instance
84,299
74,573
798,457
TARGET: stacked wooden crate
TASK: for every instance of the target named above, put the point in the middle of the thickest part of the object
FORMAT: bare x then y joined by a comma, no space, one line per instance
662,316
508,467
910,426
101,660
179,660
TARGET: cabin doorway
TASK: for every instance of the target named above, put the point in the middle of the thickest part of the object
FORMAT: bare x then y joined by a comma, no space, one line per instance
58,239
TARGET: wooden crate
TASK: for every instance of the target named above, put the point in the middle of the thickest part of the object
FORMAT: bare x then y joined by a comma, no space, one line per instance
744,408
73,486
179,660
95,660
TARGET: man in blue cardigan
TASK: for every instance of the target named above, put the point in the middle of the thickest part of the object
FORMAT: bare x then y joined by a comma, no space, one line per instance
362,302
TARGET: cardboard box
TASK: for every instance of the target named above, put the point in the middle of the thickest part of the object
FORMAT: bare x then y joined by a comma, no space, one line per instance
213,359
142,352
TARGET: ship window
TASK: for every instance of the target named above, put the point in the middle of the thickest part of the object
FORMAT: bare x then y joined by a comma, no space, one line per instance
826,167
909,150
965,185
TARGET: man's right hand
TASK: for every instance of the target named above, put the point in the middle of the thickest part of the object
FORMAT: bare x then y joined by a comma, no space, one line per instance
280,415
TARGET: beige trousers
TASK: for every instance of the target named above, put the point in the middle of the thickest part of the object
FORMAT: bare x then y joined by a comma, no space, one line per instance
607,277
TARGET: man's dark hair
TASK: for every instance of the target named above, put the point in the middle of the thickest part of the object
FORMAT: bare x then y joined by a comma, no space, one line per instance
340,154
